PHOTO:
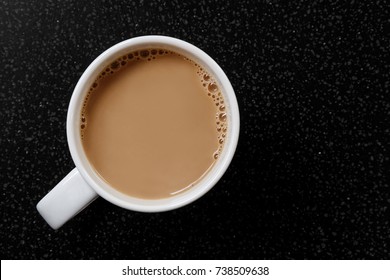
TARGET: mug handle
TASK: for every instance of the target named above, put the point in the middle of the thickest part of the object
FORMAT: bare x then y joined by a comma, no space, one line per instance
66,200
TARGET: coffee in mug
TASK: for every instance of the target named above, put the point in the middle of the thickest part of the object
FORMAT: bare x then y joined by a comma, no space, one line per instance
153,123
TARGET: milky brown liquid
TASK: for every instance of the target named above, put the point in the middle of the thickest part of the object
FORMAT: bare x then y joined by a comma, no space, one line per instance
153,123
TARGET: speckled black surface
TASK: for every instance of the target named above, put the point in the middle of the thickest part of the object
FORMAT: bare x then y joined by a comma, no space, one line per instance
310,178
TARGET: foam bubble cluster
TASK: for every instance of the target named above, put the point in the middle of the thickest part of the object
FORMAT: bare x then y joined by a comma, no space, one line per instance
213,91
211,88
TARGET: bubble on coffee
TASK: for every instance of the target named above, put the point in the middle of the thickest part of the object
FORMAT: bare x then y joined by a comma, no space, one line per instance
212,87
115,65
144,53
222,117
149,55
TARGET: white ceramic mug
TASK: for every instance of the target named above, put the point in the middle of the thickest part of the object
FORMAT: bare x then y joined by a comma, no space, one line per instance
82,185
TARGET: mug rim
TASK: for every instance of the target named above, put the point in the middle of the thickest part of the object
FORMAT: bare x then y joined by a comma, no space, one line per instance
102,188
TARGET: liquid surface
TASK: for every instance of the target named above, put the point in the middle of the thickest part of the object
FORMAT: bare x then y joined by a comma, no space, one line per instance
153,124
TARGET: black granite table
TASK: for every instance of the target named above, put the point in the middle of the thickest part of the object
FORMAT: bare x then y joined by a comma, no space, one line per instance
310,178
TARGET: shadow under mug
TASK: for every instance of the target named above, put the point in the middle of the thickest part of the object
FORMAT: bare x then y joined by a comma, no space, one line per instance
83,185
